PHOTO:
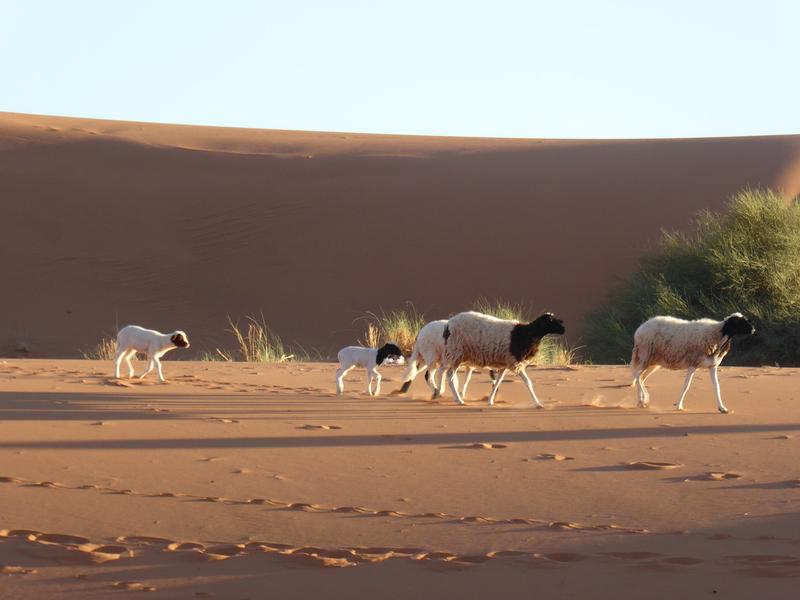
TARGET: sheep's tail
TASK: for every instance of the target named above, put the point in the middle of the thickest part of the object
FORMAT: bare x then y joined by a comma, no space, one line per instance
411,371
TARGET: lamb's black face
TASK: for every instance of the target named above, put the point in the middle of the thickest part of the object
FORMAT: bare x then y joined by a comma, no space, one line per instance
180,340
548,323
736,324
388,351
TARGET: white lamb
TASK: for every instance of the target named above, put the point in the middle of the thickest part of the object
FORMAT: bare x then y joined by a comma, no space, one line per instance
427,353
474,339
154,344
369,358
677,344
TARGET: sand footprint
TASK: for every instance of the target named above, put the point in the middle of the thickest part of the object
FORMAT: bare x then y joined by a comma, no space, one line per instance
720,476
548,456
16,570
134,585
327,427
647,465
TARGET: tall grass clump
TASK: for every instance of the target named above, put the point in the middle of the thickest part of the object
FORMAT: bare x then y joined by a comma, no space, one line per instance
399,326
105,349
256,342
553,351
745,259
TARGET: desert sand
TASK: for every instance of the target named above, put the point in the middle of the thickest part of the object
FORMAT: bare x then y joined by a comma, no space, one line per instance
174,227
250,481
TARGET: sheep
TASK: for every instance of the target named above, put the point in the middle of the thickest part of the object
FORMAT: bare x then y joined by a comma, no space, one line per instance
428,350
477,340
678,344
358,356
132,339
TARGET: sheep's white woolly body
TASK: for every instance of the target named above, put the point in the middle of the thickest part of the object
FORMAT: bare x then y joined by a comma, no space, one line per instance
369,358
429,350
132,339
677,344
479,340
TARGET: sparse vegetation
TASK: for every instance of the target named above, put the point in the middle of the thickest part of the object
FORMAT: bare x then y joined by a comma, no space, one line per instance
217,355
746,259
399,326
258,343
105,349
552,351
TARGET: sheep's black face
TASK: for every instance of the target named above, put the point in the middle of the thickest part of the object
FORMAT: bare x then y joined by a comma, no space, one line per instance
388,351
736,324
180,340
548,323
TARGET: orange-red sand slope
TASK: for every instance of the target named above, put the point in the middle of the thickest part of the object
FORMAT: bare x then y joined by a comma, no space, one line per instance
107,223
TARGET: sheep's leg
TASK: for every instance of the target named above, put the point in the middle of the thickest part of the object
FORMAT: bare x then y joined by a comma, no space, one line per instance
150,366
686,384
377,377
497,383
118,361
129,359
437,393
715,381
466,382
453,380
529,385
158,368
642,395
430,378
649,371
340,373
410,374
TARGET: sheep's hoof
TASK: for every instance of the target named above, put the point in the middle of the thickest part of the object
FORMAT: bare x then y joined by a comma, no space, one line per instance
723,410
644,404
436,395
540,406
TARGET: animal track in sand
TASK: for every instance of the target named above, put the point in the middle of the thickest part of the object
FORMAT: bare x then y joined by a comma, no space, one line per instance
720,476
64,547
646,465
319,427
319,508
16,570
548,456
134,585
477,446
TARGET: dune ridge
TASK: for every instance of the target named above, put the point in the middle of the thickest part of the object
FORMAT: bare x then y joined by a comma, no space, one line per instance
177,226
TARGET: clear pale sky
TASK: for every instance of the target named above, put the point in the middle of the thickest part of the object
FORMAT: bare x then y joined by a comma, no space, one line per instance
563,69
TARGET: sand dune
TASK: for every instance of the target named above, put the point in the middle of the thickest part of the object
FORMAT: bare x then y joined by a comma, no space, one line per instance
176,226
229,480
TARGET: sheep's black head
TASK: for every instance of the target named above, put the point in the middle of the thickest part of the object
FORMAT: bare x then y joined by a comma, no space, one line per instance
179,339
548,323
388,351
736,324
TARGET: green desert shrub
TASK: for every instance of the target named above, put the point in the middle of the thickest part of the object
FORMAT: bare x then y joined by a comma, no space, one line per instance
745,259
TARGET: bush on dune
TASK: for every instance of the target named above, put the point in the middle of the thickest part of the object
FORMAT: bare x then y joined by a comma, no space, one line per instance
746,259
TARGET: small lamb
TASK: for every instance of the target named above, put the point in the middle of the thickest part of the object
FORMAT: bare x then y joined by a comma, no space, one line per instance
369,358
677,344
132,339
